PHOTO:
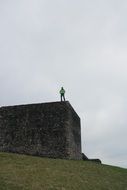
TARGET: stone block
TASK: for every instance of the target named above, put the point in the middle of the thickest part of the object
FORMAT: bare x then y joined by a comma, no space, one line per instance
44,129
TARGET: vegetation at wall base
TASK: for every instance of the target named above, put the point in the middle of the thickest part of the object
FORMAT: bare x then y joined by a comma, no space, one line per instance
21,172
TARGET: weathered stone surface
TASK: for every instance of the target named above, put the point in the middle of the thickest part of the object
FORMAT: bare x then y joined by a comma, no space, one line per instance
96,160
84,157
47,129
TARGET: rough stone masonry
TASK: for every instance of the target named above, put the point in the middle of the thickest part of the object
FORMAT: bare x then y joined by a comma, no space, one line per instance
45,129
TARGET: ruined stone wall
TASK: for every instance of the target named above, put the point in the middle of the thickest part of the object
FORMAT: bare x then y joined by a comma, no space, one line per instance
74,134
47,129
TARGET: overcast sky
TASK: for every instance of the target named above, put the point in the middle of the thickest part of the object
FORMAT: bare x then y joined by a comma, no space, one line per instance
80,45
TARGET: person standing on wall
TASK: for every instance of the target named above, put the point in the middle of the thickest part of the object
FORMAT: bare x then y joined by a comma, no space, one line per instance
62,94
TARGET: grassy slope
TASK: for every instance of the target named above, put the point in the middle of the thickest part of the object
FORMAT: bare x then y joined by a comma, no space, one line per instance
32,173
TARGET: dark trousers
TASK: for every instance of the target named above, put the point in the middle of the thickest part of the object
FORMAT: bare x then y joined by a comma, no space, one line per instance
62,97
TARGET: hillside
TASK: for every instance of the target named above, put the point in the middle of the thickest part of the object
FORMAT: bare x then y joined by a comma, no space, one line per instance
20,172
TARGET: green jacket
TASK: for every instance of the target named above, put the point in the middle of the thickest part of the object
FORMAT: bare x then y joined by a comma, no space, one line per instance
62,91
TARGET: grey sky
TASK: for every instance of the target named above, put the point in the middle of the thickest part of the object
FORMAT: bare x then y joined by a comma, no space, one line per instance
80,45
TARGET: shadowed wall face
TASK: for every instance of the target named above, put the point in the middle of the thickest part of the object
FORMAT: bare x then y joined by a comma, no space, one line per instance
48,129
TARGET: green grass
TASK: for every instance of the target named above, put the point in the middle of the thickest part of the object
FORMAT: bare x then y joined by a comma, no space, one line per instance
20,172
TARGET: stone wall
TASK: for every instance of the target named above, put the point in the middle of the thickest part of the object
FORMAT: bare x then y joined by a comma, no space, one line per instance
47,129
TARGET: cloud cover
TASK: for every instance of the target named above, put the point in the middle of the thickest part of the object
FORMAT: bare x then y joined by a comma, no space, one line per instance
80,45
